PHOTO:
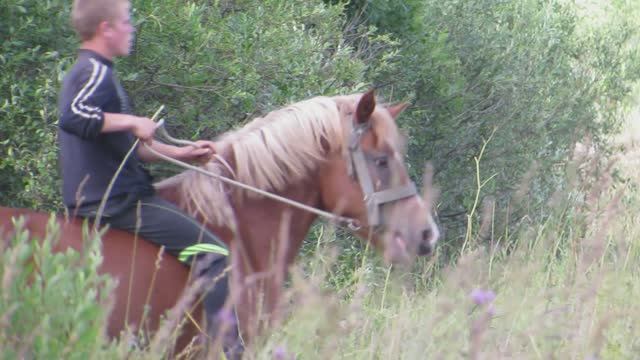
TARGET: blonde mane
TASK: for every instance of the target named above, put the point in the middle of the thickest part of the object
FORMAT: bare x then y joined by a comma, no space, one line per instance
285,145
270,152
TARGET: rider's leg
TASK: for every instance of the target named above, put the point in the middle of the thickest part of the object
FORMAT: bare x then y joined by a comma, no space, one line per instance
162,223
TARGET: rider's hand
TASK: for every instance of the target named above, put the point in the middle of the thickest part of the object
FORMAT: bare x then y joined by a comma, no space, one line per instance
144,128
202,153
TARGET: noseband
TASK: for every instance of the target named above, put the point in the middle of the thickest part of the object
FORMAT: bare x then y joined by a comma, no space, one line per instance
358,170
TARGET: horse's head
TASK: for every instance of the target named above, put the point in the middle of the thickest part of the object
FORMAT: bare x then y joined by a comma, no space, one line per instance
368,181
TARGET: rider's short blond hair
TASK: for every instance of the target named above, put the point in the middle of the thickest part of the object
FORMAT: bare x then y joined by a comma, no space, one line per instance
86,15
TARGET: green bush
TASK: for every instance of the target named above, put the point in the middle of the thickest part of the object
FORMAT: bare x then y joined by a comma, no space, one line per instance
37,46
53,306
217,66
533,77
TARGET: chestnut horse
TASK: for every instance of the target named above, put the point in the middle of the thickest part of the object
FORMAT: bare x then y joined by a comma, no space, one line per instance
341,154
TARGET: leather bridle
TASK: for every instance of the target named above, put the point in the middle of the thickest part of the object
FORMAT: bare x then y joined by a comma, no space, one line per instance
359,171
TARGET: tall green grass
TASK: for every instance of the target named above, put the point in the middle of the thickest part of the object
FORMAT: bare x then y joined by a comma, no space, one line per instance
564,288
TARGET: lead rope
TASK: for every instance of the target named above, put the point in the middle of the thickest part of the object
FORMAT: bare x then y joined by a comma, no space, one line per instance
341,220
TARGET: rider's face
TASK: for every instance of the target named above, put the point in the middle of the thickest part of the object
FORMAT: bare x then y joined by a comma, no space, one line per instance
120,32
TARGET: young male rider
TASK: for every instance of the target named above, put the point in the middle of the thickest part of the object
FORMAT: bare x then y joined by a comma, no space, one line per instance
96,130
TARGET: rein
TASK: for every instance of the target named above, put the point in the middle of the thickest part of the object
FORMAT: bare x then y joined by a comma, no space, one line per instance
341,220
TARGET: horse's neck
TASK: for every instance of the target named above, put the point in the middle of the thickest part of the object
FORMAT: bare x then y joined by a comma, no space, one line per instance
269,228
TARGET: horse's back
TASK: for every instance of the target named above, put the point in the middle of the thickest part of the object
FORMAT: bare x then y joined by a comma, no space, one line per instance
154,276
119,247
36,223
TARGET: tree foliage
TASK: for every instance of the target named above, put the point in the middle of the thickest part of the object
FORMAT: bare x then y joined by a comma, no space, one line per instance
36,49
523,79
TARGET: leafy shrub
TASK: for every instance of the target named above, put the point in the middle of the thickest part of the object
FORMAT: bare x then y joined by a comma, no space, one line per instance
53,306
37,47
523,79
217,66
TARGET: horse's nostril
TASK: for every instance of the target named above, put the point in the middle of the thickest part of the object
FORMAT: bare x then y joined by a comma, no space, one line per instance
426,235
424,249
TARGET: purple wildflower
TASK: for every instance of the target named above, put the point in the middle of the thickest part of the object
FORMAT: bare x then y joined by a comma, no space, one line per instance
481,297
280,353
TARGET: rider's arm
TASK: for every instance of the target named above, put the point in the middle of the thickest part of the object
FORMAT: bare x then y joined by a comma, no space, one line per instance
171,151
113,122
201,151
83,97
85,101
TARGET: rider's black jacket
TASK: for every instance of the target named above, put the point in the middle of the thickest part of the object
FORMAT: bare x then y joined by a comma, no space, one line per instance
88,158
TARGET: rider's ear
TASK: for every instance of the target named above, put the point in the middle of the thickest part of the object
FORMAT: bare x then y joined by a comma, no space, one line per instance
104,29
365,107
397,109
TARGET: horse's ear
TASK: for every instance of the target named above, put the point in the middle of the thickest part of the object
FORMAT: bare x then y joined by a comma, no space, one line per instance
365,107
397,109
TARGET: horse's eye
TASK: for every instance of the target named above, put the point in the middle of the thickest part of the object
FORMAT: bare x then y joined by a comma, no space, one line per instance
382,162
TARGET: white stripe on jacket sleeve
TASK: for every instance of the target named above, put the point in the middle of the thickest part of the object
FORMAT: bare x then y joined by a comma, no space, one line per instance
78,105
